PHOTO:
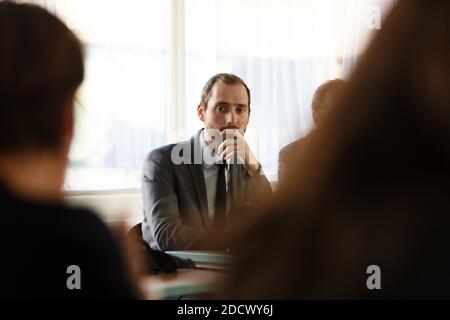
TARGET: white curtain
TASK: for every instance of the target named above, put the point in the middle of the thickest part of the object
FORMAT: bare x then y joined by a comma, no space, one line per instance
121,106
360,25
283,49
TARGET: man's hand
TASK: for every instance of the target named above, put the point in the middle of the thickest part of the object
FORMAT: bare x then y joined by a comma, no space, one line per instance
234,146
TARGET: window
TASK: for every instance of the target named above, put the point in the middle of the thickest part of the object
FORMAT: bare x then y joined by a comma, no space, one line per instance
121,105
147,61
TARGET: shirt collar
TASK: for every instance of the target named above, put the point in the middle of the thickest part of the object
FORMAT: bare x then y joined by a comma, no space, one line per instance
209,156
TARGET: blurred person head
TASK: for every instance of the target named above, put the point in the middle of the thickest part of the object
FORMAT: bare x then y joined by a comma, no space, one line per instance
41,67
324,98
373,186
225,103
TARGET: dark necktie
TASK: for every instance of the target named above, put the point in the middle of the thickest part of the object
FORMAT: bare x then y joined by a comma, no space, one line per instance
220,211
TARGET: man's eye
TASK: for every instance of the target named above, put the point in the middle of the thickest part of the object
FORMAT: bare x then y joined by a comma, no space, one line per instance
220,108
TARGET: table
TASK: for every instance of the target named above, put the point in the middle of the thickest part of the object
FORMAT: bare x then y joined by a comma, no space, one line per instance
180,283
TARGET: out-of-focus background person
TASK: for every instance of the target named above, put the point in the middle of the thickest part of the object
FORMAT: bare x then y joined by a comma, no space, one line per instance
323,100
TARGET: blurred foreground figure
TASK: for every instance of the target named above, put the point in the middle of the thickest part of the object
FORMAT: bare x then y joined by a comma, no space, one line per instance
374,211
48,250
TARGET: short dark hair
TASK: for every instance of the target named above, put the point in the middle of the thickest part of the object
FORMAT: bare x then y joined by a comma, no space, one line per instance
226,78
329,90
41,66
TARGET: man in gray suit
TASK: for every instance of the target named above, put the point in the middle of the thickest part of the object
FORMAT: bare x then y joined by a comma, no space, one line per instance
195,189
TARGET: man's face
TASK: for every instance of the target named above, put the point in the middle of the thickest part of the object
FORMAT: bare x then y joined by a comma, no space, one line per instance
227,108
322,110
318,116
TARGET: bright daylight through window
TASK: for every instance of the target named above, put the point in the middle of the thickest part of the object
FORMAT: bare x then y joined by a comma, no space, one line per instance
147,60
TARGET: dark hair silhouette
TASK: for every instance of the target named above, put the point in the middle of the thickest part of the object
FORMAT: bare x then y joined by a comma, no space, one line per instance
41,66
373,185
326,93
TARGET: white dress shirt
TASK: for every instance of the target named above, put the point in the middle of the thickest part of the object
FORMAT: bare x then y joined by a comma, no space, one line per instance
210,159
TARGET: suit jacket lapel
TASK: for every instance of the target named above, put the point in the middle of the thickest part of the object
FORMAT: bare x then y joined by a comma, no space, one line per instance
198,178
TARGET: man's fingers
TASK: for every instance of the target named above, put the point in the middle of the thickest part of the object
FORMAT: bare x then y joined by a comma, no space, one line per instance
233,149
230,155
237,157
228,134
226,152
235,134
239,133
227,143
221,147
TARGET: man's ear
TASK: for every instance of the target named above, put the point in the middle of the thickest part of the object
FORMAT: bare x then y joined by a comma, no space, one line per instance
68,121
315,117
201,112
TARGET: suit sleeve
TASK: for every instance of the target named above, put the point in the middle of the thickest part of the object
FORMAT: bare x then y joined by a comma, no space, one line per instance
161,209
259,190
282,164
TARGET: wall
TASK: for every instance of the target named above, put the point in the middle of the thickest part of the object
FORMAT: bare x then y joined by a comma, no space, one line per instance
111,206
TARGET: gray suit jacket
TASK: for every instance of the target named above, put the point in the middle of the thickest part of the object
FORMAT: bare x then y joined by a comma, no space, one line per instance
289,159
175,201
